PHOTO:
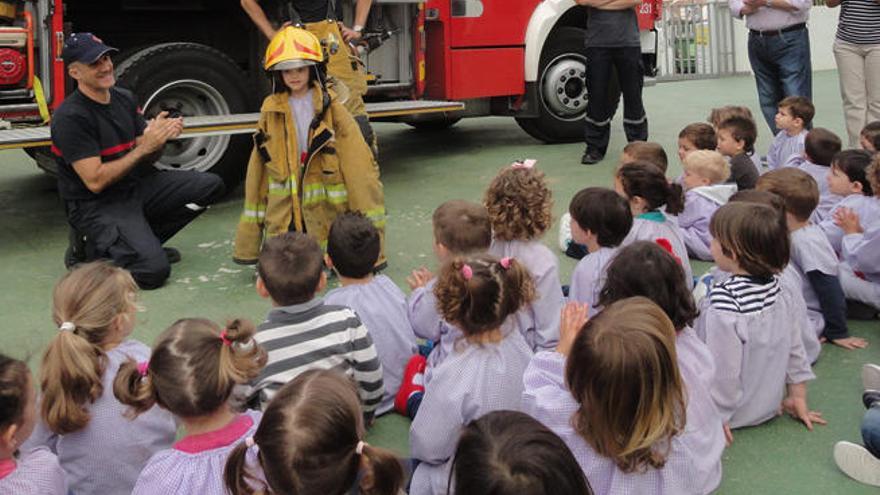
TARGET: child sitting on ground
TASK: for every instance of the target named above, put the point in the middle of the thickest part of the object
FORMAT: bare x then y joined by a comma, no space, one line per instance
614,393
812,255
33,472
191,373
736,141
850,180
819,149
520,204
492,448
645,151
103,451
869,138
484,373
746,321
600,220
301,332
696,136
461,228
311,440
646,189
705,191
860,271
793,117
353,247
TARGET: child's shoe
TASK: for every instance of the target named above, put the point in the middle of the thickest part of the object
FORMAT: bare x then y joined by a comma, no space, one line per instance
413,383
870,377
857,463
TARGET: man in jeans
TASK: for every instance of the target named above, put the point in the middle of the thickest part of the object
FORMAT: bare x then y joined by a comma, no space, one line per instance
779,50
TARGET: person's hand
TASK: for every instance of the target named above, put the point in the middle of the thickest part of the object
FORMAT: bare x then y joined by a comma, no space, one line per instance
848,221
419,278
728,435
572,320
850,343
349,35
159,130
796,406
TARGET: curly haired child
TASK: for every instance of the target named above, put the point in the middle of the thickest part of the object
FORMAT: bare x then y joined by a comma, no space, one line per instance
94,308
519,202
191,373
477,295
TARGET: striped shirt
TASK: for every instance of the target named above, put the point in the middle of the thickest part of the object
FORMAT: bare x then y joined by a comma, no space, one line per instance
314,335
744,294
858,22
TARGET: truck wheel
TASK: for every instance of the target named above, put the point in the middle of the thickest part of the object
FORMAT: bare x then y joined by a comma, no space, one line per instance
562,90
195,80
45,159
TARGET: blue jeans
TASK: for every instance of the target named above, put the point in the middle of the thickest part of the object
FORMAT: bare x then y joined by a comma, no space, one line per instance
782,68
871,430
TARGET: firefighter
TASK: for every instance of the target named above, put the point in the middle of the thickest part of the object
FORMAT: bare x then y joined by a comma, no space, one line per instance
310,161
323,19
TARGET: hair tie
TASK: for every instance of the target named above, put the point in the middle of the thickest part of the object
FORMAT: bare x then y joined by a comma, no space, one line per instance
67,326
505,262
667,246
143,367
224,338
524,164
359,450
467,272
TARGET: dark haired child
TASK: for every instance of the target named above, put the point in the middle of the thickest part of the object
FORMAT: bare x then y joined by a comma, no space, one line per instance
646,189
736,141
191,373
861,255
849,179
645,151
705,173
746,321
614,392
352,250
793,117
311,441
511,453
812,256
696,136
94,308
520,204
23,472
819,149
301,332
484,372
869,138
600,220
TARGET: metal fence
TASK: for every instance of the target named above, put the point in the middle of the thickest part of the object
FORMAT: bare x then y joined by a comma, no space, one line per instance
695,40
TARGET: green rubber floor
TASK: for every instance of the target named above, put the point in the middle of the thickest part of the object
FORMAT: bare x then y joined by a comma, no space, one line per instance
421,170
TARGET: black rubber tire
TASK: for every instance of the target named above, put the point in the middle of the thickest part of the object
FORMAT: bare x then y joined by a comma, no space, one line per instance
154,67
44,158
548,126
430,125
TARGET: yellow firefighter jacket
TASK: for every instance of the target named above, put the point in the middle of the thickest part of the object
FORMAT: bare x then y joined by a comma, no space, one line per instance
339,174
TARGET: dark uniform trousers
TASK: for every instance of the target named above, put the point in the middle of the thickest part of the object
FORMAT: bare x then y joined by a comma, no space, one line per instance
601,106
130,226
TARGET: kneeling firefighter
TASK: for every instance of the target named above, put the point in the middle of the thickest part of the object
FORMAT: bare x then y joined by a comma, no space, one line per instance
310,161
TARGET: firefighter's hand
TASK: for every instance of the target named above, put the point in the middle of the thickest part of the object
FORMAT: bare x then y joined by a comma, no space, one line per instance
349,35
159,130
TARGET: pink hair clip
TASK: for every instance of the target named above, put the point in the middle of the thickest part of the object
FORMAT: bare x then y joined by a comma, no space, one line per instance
224,338
527,163
467,272
143,367
505,262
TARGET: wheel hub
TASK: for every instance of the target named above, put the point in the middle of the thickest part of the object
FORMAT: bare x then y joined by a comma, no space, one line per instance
190,98
563,86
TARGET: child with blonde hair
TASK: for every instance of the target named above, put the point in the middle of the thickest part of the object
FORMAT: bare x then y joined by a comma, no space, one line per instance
32,472
311,440
705,173
94,308
478,295
191,373
614,392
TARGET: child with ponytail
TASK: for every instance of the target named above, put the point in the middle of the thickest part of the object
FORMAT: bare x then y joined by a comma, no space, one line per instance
311,441
34,472
483,373
101,450
651,197
191,373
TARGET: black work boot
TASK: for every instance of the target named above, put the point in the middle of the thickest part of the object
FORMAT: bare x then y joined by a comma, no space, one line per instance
591,156
76,249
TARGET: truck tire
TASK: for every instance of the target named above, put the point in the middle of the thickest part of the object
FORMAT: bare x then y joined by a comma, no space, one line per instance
44,158
561,89
196,80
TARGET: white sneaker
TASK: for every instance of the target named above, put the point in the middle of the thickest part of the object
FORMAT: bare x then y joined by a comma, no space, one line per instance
857,463
871,377
565,231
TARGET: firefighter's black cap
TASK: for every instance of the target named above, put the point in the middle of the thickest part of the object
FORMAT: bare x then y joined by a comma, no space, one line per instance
85,48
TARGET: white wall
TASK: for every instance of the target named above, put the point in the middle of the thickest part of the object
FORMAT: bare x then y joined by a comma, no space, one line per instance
822,26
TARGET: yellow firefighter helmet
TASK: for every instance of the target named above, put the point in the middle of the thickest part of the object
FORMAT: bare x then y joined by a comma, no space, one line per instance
292,48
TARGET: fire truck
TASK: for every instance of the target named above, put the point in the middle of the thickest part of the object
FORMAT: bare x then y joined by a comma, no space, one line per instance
429,64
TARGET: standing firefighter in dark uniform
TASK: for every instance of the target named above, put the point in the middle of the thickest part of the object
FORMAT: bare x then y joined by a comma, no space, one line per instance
612,43
323,19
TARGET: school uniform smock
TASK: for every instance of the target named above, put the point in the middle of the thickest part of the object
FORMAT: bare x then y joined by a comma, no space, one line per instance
700,203
655,225
36,472
589,276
